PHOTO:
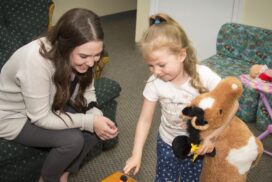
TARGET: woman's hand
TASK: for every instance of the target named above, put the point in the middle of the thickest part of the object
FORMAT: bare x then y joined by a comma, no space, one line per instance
132,165
104,128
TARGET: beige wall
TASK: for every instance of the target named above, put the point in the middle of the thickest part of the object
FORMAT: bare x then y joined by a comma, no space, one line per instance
100,7
254,12
257,13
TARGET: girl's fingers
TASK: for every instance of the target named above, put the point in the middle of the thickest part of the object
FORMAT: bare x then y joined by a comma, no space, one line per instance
135,171
127,169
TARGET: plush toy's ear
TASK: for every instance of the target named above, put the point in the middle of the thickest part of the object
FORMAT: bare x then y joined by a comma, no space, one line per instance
193,111
187,111
181,146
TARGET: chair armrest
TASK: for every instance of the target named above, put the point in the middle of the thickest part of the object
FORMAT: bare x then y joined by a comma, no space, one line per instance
106,90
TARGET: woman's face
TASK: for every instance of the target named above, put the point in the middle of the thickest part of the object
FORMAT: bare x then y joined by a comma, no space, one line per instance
85,55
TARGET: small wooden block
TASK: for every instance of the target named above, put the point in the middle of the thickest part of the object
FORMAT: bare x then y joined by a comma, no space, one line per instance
115,177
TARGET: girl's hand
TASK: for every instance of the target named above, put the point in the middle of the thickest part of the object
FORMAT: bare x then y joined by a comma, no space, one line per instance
104,128
207,146
132,165
210,140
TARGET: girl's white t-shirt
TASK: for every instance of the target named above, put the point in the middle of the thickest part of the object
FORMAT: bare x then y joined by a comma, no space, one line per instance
174,98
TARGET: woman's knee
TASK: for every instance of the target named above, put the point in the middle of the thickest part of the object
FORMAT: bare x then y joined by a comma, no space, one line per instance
90,138
72,140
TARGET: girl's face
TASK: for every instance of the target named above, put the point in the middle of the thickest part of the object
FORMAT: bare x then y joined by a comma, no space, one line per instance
85,55
166,65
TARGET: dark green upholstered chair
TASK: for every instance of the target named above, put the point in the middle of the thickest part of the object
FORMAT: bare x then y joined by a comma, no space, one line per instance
20,22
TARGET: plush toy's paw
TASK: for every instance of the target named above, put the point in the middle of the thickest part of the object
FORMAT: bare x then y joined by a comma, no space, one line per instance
181,147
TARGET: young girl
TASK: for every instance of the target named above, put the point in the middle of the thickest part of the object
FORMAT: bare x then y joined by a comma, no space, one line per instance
47,94
176,80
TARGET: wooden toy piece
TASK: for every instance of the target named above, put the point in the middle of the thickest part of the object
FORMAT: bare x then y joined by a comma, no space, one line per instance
118,177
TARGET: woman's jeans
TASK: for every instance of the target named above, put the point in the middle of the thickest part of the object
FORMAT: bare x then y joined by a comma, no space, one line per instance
68,148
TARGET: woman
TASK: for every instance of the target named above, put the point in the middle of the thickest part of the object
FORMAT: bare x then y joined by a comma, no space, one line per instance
47,95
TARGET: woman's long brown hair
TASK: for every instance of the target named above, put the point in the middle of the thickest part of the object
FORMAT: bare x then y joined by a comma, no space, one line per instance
74,28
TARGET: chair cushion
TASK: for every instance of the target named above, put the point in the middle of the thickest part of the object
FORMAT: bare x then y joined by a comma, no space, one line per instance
18,160
219,64
231,41
22,15
10,41
245,43
259,48
106,90
20,22
14,151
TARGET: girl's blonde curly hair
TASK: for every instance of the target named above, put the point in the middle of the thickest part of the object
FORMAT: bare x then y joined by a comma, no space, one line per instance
165,32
